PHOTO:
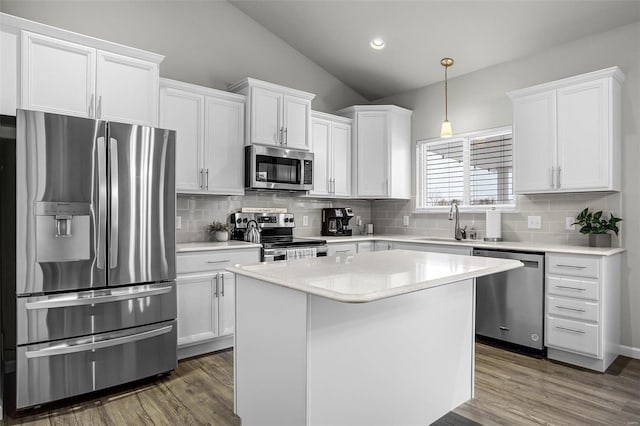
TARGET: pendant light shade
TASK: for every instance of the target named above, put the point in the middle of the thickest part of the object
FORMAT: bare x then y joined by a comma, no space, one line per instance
446,130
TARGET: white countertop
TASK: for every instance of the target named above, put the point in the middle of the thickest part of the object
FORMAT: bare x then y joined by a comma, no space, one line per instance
213,245
503,245
367,277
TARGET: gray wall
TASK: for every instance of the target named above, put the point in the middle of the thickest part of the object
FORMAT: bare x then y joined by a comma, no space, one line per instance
478,101
209,43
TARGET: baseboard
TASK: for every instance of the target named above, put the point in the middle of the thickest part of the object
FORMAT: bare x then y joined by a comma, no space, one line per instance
630,351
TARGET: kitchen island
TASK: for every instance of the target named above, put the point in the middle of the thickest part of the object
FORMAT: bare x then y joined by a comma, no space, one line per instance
370,339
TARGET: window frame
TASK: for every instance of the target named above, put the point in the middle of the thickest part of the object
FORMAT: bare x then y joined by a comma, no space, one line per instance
465,138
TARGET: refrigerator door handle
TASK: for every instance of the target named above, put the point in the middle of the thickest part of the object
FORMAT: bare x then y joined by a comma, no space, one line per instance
113,243
64,349
102,204
77,300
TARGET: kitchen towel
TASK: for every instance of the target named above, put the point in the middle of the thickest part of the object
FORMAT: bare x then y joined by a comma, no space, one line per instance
494,226
301,253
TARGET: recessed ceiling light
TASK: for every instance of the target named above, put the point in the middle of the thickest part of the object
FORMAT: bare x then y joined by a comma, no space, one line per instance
377,43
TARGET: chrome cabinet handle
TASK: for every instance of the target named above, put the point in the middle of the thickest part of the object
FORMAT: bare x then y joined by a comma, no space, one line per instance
115,296
83,347
215,293
280,136
218,261
113,243
573,330
90,110
558,180
222,286
570,309
504,328
571,288
99,107
286,136
206,182
571,266
553,177
201,179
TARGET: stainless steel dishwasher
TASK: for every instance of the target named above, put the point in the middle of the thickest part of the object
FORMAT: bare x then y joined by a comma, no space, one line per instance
510,305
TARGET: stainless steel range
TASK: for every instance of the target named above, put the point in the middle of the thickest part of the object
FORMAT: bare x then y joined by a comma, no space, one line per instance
276,236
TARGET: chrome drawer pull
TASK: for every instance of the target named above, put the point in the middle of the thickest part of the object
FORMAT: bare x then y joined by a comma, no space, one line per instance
571,288
571,266
218,261
573,330
570,309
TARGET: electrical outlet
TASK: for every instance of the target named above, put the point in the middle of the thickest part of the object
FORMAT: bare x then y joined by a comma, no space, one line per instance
568,223
405,220
178,222
534,222
305,220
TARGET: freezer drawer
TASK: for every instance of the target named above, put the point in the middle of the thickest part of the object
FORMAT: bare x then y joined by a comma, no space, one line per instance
64,368
67,315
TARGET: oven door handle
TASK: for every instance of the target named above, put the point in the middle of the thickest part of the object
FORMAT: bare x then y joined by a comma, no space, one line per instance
66,301
63,349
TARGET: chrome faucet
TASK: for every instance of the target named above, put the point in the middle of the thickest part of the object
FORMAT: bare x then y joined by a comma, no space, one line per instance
459,233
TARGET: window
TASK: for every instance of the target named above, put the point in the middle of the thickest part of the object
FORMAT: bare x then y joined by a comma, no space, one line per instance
475,170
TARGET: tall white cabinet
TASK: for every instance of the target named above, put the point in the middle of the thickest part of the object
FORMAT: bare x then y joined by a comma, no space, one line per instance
276,115
210,134
382,151
331,144
53,70
567,134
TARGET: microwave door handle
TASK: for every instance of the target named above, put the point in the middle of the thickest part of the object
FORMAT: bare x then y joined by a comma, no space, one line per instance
113,243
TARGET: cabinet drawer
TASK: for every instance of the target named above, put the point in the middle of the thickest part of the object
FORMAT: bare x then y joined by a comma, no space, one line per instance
572,335
214,260
572,308
573,287
577,266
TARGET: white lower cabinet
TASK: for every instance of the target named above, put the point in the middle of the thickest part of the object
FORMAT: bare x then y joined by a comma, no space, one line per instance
337,249
206,299
582,320
366,246
382,245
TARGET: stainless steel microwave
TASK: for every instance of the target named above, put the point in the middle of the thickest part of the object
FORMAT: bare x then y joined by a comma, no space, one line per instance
268,167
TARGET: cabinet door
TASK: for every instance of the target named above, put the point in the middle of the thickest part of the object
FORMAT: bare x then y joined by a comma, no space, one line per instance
197,308
227,303
534,144
266,107
183,112
127,89
296,122
341,155
372,154
320,136
584,145
382,246
57,76
223,146
366,247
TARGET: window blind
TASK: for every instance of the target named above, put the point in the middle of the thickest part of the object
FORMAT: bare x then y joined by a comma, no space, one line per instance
444,177
491,170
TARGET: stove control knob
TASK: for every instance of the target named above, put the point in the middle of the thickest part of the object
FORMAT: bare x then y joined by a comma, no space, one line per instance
239,221
291,220
286,219
244,220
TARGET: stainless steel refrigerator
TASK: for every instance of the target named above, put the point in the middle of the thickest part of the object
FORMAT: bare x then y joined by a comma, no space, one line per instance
95,300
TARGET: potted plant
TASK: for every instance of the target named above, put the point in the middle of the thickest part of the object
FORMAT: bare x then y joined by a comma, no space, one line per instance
219,231
597,227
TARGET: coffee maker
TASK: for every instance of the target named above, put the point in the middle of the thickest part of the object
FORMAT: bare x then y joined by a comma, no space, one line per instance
335,221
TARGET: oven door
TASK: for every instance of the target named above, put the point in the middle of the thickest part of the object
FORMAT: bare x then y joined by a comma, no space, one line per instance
284,253
277,168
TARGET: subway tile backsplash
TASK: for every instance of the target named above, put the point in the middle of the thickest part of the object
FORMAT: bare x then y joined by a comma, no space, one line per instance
197,211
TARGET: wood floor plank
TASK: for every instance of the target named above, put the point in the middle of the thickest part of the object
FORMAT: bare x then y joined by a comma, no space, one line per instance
511,389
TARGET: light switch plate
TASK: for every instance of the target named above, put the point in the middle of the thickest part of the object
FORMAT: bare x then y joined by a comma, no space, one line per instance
568,223
178,222
534,222
405,220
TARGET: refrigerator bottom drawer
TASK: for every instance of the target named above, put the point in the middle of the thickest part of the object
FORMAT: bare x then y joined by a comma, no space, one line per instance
56,370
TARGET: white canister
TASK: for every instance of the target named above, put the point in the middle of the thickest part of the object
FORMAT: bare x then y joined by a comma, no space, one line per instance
369,228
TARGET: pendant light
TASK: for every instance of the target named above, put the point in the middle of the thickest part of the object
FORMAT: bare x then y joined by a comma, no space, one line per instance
446,131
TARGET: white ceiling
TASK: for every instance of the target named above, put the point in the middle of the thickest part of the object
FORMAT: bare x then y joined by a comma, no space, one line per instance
477,34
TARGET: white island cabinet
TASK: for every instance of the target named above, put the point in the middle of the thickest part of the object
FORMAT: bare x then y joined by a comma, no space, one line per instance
370,339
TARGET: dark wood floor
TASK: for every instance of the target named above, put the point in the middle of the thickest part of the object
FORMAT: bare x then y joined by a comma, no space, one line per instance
511,389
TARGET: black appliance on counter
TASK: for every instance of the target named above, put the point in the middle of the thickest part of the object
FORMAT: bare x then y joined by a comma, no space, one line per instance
276,236
335,221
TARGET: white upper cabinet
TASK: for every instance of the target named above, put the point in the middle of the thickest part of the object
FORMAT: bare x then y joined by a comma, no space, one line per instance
331,143
210,132
567,134
276,115
382,151
70,78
